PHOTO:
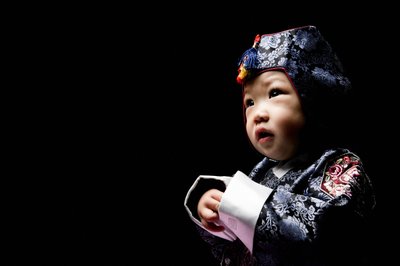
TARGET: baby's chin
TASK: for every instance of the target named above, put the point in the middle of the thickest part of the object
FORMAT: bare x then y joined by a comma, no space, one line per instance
277,156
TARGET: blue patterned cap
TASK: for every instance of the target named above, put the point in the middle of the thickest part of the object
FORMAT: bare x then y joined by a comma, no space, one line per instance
305,56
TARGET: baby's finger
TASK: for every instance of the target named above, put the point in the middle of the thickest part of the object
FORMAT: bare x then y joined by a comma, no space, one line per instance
209,215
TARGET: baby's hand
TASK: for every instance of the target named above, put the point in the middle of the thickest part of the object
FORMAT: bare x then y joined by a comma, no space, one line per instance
207,209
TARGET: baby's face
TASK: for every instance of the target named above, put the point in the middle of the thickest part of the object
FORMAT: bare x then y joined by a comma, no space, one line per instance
274,116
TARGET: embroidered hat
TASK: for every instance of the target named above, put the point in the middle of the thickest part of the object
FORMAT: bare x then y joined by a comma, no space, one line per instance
306,57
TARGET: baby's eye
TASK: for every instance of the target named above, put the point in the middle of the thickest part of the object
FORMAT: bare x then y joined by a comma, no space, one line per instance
274,93
248,103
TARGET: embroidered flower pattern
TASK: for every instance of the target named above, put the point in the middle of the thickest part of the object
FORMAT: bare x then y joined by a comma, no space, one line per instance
339,177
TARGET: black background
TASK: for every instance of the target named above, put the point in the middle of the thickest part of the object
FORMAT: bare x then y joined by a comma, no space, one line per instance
135,103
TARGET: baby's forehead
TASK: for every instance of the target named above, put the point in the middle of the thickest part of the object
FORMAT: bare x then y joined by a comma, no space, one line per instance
267,79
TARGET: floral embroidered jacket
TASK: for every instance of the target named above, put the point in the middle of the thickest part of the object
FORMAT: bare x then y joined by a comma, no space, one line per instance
314,213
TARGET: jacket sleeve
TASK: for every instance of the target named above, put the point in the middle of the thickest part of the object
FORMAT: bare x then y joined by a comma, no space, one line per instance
241,205
199,187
